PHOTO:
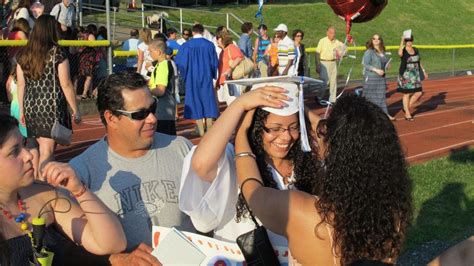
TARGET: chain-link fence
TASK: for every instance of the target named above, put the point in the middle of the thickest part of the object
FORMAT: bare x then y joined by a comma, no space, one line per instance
89,62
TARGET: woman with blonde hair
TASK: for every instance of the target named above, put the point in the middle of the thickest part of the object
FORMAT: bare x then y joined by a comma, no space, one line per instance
144,64
229,57
44,86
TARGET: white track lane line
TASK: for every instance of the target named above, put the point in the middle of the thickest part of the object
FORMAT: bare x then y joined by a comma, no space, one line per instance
440,149
440,112
435,128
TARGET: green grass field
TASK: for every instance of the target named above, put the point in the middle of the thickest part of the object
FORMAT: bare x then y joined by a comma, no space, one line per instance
443,199
436,22
432,22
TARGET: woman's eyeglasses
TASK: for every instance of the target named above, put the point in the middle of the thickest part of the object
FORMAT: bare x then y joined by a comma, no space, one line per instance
275,131
140,114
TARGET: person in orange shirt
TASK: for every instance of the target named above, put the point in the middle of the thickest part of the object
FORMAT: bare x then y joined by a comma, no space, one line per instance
272,52
229,58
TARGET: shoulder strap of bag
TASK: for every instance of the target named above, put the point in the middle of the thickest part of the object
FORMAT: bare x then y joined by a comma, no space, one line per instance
228,51
246,204
54,76
59,12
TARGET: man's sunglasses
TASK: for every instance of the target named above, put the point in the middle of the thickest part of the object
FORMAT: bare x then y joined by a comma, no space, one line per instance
140,114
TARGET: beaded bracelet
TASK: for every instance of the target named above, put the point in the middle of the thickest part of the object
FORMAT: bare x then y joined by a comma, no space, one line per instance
80,193
243,154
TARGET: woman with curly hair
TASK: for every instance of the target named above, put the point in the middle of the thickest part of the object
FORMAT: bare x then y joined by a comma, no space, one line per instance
209,193
363,203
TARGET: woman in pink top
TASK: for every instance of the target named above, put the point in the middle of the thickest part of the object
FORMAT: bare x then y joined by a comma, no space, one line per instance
20,31
229,58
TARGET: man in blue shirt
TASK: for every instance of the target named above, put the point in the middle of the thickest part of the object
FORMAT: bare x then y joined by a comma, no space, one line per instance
172,43
131,44
245,43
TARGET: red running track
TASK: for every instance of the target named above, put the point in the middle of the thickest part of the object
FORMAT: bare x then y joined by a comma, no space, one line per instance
444,122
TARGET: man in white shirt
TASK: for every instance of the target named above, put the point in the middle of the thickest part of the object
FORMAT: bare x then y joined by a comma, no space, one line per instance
64,14
286,52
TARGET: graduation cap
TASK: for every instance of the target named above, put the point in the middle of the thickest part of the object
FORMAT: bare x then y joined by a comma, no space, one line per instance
294,87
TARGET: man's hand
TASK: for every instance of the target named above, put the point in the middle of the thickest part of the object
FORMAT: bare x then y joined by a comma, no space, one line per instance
141,256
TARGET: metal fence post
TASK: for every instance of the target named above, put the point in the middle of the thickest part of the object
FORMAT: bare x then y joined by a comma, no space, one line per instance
227,20
113,32
161,24
453,61
143,15
109,49
181,20
80,12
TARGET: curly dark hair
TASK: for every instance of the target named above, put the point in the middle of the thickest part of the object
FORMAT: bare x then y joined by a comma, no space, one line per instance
305,166
365,193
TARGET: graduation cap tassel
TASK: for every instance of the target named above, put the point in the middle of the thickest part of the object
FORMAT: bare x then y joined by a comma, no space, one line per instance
305,147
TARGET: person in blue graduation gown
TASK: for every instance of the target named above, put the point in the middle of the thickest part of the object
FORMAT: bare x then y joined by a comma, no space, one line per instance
197,63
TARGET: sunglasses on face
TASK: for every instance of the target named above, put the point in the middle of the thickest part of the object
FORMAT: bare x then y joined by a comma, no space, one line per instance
140,114
299,35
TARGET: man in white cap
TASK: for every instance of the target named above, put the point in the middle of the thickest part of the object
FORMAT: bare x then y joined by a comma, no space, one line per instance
64,13
286,52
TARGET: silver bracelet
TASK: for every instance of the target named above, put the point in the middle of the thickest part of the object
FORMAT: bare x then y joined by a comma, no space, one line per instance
243,154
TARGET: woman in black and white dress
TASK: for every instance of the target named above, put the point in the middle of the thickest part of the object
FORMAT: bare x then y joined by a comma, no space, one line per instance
44,86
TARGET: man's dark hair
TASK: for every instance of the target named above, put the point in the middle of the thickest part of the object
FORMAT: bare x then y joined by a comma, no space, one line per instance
171,31
262,26
198,28
110,91
246,27
134,33
160,36
186,30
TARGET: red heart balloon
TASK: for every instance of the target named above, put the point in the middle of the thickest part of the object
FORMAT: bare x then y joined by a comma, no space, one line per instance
356,11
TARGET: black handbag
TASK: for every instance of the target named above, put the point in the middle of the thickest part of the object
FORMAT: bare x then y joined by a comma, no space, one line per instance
255,245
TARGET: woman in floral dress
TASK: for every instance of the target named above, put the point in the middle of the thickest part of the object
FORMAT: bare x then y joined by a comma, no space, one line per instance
410,75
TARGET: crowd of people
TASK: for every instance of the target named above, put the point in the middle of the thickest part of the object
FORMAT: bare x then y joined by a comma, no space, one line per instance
329,206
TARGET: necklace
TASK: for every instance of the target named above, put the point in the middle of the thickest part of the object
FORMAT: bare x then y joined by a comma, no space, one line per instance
21,218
